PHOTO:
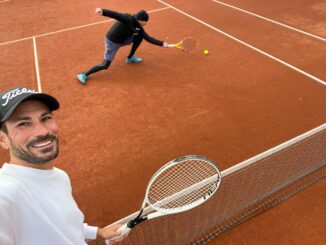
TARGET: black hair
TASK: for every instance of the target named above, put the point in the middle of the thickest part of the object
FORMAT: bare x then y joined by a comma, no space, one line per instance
3,128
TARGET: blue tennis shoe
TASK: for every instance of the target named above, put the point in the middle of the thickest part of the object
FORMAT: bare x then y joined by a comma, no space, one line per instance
82,78
133,59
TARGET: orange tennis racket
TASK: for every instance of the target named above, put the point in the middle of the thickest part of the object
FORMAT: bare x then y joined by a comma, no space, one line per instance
187,44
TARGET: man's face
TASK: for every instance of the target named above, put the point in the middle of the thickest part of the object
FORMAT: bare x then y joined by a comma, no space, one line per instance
32,136
142,23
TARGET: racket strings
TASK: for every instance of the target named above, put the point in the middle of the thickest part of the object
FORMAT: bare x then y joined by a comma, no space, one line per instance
182,184
185,199
188,44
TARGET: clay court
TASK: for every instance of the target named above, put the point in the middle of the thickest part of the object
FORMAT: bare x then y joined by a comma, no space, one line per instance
262,84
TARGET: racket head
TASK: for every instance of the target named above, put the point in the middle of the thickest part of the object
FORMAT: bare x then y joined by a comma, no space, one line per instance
188,44
183,184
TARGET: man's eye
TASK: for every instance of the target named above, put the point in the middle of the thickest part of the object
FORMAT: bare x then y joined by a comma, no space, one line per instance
47,118
23,124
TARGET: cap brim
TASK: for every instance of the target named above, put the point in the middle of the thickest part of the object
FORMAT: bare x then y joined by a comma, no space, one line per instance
48,100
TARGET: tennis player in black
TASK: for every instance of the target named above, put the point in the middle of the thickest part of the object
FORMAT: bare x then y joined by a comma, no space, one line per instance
128,29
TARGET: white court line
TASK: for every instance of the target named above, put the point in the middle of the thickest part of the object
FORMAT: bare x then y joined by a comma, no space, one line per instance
247,45
273,21
4,1
72,28
16,41
37,70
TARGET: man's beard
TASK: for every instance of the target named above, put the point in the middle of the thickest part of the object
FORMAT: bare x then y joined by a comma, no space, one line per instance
30,157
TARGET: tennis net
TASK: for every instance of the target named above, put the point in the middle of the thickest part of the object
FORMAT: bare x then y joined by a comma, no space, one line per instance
247,189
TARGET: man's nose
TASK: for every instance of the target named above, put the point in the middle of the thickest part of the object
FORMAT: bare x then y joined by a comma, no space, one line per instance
40,129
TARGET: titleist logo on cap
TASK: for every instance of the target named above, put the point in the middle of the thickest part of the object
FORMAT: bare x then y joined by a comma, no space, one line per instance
16,92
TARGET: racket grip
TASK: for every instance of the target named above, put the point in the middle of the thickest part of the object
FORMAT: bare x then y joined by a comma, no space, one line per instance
124,230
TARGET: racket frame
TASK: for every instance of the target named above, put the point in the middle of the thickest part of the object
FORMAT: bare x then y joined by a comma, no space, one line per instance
161,212
172,163
180,45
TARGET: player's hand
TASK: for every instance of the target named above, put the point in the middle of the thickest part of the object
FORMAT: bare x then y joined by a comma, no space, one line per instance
111,232
166,45
98,11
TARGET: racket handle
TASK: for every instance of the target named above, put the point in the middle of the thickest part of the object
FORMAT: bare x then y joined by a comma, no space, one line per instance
124,230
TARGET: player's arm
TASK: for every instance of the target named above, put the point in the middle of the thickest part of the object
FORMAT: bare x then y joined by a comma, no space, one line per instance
157,42
154,41
112,14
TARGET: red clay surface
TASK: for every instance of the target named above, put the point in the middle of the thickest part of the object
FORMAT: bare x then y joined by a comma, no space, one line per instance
128,121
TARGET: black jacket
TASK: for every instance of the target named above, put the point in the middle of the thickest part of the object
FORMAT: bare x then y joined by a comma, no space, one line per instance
126,26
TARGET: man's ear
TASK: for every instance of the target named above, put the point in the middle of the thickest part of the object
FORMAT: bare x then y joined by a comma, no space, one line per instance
4,141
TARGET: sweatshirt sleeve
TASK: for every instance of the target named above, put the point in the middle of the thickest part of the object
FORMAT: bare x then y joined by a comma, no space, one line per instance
6,223
152,40
116,15
90,232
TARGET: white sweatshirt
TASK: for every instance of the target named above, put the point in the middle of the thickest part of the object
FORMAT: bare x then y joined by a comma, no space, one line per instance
37,208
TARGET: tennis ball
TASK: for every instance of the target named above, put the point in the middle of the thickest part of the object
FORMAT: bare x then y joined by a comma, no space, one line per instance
206,52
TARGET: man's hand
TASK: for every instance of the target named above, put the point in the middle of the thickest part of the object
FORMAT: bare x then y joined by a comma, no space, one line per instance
166,45
98,11
111,232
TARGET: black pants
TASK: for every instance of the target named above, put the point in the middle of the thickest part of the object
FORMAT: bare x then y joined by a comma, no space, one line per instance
106,63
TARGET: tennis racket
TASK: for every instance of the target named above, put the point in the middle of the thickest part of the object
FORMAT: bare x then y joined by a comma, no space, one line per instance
178,186
187,44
